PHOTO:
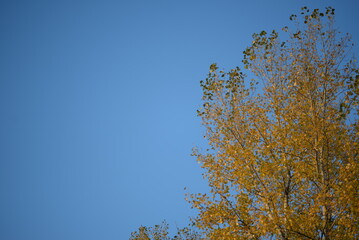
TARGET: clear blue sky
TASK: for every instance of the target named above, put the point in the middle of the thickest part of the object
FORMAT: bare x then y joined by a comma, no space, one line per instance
98,107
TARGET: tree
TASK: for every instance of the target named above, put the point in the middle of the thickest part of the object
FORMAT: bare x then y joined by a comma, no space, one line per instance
160,232
284,149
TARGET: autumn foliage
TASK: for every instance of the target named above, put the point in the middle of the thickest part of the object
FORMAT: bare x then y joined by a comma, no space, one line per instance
283,156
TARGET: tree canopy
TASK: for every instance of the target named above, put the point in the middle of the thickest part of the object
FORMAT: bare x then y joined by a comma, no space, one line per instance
283,153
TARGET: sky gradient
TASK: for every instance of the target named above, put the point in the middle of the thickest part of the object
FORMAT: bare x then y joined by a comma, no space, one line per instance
98,105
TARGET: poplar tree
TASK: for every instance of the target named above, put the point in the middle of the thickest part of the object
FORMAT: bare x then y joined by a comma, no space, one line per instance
283,149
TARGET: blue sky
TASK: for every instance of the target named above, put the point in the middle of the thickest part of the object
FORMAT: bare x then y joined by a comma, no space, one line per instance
98,107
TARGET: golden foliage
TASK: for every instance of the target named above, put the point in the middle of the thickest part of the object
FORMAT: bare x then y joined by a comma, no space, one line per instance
283,157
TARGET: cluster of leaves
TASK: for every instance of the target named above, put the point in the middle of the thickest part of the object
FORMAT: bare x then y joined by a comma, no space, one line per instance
285,153
160,232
